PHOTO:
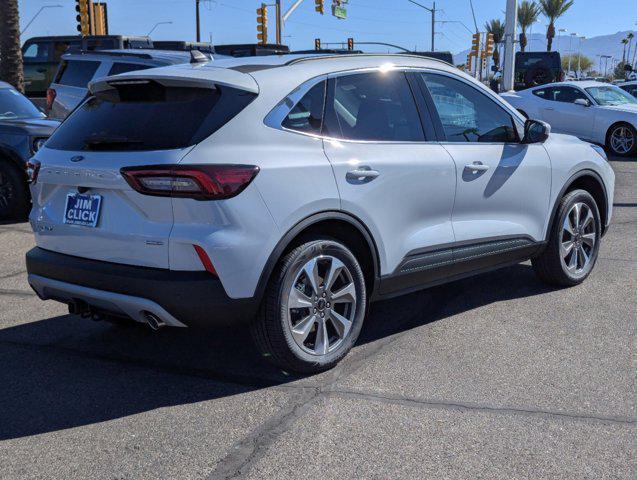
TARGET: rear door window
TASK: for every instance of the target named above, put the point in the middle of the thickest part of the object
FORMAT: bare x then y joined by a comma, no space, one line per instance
120,67
36,52
149,116
76,73
372,106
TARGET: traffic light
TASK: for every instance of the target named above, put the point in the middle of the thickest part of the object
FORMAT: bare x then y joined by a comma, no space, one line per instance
262,24
83,16
468,66
317,44
319,6
99,19
350,44
489,45
475,45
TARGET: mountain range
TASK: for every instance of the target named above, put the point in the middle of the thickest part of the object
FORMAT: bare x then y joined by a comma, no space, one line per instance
591,47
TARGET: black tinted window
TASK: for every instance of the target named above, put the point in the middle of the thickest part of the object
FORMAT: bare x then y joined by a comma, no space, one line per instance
468,115
77,73
149,117
543,93
372,106
307,115
119,67
568,94
632,89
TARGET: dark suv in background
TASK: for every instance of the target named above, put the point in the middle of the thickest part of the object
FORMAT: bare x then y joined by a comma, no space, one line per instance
533,69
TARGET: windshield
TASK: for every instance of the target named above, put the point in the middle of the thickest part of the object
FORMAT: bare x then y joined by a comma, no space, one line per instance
15,106
611,96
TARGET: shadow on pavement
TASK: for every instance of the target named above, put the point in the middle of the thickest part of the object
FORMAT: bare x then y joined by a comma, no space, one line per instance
67,372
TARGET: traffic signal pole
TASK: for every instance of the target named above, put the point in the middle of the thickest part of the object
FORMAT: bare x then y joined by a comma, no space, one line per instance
508,74
279,25
197,2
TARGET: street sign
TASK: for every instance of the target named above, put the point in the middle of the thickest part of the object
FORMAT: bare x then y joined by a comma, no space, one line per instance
339,12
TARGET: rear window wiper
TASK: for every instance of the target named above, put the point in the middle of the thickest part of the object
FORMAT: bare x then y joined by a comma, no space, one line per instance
109,142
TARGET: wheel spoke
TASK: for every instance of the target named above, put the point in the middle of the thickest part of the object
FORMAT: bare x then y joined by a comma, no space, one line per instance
298,299
589,239
341,324
583,256
333,272
587,219
302,329
311,272
322,342
568,226
347,294
566,247
577,212
572,265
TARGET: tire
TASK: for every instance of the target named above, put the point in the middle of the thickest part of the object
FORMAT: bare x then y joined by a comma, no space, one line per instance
14,196
621,140
557,265
291,338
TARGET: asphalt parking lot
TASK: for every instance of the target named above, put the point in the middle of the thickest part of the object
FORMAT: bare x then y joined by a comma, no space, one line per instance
496,376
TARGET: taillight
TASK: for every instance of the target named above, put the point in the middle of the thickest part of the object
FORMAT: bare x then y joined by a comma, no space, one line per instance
205,260
201,182
50,98
33,169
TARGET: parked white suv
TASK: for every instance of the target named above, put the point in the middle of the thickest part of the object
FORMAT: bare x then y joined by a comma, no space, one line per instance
293,191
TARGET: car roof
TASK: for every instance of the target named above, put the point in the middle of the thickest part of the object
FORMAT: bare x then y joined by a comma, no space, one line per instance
574,83
5,85
140,54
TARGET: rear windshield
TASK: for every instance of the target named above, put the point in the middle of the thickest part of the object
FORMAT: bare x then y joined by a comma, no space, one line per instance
119,67
76,73
149,116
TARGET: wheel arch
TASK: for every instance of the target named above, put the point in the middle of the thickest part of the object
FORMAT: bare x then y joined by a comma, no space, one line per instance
7,154
336,224
590,181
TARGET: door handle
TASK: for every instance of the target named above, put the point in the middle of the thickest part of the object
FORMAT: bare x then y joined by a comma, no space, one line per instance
362,173
550,109
477,167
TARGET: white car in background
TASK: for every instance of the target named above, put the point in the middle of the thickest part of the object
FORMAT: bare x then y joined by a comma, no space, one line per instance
593,111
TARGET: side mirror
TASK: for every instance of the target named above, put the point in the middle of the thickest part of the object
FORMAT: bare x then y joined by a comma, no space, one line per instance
583,102
536,131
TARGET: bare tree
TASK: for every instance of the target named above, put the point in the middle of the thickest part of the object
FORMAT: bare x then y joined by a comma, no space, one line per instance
11,70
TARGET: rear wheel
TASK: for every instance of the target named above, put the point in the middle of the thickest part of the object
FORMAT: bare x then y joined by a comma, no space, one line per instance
622,140
14,200
313,309
574,242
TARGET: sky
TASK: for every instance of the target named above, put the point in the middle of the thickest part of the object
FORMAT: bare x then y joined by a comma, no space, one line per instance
392,21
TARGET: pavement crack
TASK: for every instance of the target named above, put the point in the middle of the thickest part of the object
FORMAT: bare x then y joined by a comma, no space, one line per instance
452,405
252,447
11,275
18,293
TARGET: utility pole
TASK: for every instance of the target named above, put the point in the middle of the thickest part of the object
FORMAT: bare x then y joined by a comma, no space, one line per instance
570,50
510,23
433,22
579,57
279,23
197,2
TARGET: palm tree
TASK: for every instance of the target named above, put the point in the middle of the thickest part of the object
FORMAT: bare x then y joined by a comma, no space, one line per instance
528,12
553,9
10,55
624,43
496,28
629,37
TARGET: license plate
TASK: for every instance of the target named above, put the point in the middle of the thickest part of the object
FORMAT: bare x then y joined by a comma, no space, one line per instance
82,209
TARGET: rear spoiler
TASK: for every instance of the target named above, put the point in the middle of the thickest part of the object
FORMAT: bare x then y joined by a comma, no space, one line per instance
193,76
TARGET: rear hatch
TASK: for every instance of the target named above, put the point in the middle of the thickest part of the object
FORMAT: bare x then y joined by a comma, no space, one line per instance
82,205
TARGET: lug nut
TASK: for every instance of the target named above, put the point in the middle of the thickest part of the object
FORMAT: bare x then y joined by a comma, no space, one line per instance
324,295
315,310
322,314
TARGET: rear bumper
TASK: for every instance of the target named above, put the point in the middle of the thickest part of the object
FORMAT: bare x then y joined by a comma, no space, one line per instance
177,298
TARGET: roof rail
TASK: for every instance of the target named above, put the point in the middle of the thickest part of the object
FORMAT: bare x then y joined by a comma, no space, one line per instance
332,57
74,51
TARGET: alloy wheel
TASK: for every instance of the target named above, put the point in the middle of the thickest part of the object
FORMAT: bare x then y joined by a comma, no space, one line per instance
622,140
577,242
321,305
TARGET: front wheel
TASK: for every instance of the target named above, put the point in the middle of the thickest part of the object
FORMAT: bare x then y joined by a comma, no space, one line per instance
622,140
574,242
313,309
14,200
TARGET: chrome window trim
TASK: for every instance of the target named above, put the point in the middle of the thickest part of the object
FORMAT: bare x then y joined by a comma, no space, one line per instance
275,117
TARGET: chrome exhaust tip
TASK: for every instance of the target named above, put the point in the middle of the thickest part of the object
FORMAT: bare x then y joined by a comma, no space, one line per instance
153,321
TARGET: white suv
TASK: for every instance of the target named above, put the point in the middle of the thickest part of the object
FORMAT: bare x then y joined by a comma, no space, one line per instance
292,191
